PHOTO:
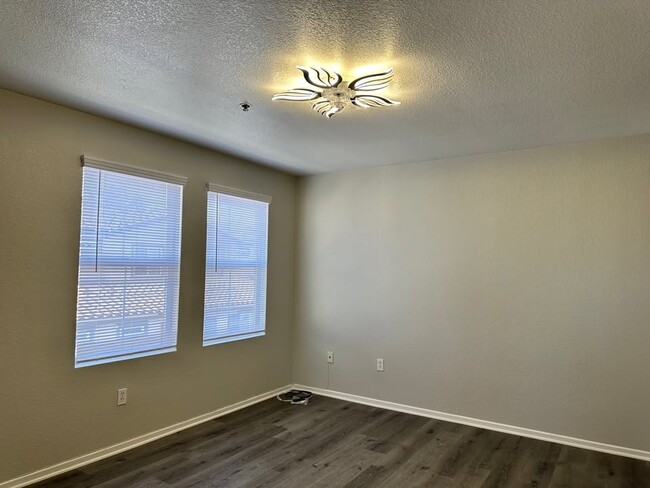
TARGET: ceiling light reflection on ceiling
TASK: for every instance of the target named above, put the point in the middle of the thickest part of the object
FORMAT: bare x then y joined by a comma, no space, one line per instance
335,94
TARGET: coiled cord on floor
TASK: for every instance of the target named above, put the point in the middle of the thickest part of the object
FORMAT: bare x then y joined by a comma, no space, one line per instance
295,397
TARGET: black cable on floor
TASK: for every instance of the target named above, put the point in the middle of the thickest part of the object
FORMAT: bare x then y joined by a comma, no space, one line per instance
295,397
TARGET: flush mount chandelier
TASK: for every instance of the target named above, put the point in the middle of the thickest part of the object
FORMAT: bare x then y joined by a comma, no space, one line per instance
335,94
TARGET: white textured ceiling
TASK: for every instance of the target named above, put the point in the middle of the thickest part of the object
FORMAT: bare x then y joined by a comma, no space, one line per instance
473,76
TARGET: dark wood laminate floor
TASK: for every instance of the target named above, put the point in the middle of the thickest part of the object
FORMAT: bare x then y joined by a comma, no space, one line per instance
332,443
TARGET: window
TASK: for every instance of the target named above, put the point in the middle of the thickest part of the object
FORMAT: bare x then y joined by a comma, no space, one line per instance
235,273
129,263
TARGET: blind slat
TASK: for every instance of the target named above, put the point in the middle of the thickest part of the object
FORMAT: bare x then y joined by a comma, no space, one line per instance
129,266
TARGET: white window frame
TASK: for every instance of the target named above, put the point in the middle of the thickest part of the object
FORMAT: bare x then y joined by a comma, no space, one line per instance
211,254
133,329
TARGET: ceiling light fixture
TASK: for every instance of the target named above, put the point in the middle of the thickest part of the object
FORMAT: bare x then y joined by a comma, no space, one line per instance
335,94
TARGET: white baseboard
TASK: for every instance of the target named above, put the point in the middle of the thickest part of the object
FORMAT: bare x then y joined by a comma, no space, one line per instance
91,457
483,424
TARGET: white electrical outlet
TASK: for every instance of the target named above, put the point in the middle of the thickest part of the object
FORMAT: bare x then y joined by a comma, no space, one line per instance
121,396
380,364
330,357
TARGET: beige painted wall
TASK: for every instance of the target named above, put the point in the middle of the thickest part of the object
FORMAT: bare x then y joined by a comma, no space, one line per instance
50,412
511,287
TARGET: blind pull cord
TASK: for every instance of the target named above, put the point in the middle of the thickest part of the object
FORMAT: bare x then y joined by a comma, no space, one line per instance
99,198
216,236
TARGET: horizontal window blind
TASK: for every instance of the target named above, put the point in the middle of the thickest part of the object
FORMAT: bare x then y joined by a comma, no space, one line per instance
236,261
129,264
